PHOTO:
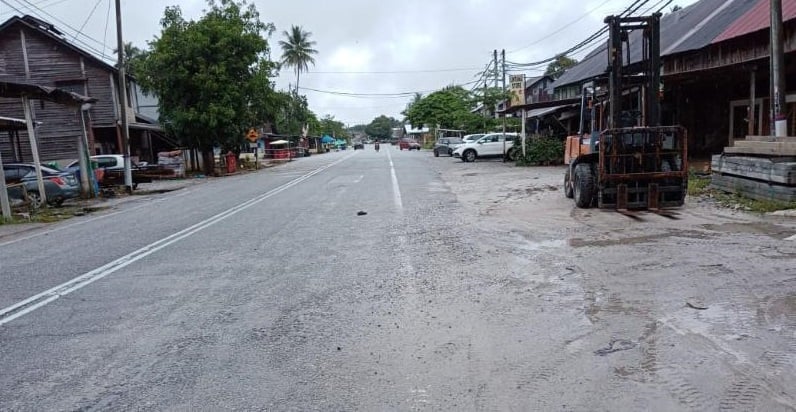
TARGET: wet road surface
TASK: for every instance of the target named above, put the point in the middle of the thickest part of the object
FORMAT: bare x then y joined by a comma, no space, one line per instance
470,286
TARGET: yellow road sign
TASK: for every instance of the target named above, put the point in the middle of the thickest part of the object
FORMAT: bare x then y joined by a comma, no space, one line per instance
252,135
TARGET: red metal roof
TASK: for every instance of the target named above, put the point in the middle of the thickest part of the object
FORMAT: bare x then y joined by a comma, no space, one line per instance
757,18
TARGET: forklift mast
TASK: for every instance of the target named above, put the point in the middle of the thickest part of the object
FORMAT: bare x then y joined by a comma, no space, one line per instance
619,29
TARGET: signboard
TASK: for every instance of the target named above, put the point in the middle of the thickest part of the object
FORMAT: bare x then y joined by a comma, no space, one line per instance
252,136
517,82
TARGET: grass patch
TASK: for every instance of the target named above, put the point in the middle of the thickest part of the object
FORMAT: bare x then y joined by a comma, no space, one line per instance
699,186
51,214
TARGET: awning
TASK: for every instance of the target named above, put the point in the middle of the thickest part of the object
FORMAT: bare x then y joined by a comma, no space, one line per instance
145,126
10,123
540,105
279,142
541,112
34,91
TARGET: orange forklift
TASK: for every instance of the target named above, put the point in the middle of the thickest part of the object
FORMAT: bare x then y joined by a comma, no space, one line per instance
622,157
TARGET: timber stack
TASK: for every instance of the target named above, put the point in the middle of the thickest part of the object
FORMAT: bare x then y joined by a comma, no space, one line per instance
759,167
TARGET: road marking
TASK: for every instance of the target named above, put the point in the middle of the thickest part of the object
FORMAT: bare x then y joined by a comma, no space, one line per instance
359,179
37,301
396,190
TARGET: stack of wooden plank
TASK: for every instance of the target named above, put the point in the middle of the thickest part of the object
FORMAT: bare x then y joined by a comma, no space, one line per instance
760,167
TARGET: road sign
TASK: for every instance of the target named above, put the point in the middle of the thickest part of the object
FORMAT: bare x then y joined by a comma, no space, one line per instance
252,135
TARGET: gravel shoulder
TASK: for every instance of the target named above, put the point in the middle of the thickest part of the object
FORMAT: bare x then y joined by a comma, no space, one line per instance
693,311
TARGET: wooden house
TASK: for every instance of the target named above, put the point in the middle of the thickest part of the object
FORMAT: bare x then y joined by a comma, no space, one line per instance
34,51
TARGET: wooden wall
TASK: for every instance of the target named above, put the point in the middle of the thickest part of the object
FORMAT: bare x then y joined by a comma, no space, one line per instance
52,63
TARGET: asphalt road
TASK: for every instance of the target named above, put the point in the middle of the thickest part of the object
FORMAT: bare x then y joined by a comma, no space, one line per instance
464,287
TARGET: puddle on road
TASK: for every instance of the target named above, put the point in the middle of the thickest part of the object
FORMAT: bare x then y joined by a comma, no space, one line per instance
767,229
635,240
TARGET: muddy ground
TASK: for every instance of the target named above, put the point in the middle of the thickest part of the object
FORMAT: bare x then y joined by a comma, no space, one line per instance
695,311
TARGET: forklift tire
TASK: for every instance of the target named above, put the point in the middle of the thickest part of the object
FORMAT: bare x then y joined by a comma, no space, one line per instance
568,191
584,186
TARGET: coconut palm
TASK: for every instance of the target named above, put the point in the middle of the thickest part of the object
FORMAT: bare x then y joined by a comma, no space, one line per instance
297,50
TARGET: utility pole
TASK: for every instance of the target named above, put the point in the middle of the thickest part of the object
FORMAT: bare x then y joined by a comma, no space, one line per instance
522,133
778,71
505,101
128,174
495,59
486,79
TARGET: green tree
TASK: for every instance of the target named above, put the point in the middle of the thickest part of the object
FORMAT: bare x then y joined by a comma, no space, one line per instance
291,113
450,108
358,128
205,72
557,67
132,57
381,127
332,127
297,51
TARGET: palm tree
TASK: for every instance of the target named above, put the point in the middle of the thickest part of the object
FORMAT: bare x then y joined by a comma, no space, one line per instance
297,50
130,55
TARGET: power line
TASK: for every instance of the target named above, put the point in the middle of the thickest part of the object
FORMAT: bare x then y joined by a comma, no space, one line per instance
12,6
105,35
87,19
34,8
395,95
637,4
461,69
566,26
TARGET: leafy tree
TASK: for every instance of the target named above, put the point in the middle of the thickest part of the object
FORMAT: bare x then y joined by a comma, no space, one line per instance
328,125
292,114
381,127
489,97
415,99
450,108
557,67
358,128
297,51
132,57
205,73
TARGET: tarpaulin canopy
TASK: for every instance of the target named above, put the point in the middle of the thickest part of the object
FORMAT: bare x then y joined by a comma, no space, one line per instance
327,139
340,142
280,142
34,91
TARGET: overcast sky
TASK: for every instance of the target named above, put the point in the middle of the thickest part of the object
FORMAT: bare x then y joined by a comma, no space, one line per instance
391,46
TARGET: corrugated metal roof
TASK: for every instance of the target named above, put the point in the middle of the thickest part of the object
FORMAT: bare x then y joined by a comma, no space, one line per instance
690,28
697,29
757,18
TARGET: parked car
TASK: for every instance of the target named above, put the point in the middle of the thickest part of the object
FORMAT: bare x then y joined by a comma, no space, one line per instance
113,164
446,145
408,144
490,145
58,185
359,145
470,138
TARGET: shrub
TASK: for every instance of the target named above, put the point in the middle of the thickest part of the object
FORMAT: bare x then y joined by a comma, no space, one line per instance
540,151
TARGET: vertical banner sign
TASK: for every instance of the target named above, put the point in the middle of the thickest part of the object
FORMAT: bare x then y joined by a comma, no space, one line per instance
517,89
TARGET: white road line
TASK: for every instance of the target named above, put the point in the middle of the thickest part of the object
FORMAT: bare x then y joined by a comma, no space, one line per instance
359,179
396,190
34,302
